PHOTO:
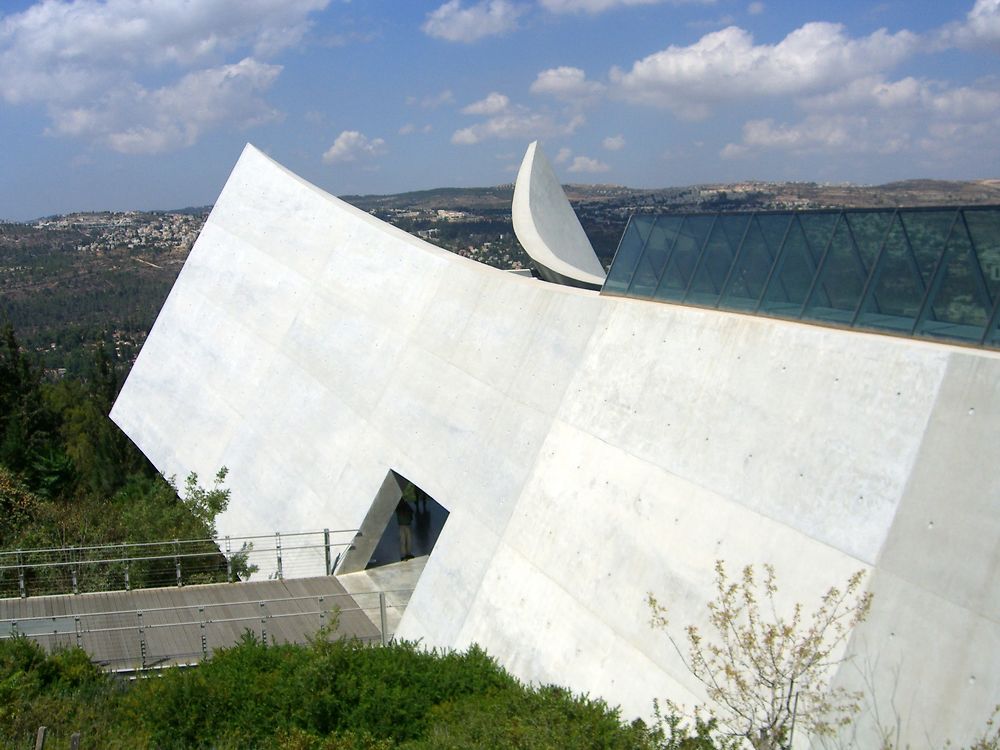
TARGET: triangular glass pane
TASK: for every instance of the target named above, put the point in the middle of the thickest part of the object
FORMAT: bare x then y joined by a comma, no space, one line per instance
790,283
773,227
898,289
720,250
629,249
818,228
961,308
984,228
658,246
734,226
751,270
868,228
993,340
927,232
690,239
842,280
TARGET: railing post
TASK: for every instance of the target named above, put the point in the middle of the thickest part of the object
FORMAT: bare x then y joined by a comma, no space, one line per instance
128,583
22,588
229,561
76,622
74,741
326,549
40,738
322,612
204,642
142,639
382,617
263,624
72,570
177,561
277,548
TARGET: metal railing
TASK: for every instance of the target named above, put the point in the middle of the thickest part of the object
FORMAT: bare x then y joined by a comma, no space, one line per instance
124,566
127,640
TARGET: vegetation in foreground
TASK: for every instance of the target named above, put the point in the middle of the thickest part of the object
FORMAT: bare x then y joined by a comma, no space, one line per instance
329,695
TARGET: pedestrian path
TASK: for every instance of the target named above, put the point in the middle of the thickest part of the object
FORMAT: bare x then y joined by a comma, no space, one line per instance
396,580
144,628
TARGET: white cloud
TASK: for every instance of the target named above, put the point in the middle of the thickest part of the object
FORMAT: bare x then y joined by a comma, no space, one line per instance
981,28
351,146
133,120
567,84
586,165
432,101
563,155
456,23
118,71
599,6
494,103
925,120
517,122
755,8
911,95
726,65
614,142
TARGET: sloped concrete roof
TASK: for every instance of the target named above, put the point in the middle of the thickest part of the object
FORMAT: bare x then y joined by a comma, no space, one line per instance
589,450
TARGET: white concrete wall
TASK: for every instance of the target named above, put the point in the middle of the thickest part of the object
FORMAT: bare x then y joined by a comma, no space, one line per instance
589,449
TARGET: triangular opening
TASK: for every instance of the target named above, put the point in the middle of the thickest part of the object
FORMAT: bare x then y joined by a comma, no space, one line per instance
425,518
398,503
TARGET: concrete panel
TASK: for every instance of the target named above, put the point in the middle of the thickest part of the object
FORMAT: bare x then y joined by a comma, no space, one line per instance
791,420
924,665
939,516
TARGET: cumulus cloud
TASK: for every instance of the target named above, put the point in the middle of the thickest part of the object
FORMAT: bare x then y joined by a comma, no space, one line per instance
507,120
563,155
726,65
981,28
755,8
491,105
567,84
614,142
456,23
433,101
117,71
586,165
352,145
599,6
134,120
925,119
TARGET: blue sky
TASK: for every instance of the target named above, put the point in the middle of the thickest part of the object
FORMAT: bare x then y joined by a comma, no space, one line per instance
146,104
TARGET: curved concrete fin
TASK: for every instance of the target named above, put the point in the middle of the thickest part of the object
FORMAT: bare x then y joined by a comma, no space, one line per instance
548,228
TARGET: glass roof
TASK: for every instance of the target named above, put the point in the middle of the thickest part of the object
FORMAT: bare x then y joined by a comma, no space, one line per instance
922,272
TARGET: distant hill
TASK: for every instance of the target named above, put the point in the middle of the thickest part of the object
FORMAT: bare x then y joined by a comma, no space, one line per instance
68,281
749,195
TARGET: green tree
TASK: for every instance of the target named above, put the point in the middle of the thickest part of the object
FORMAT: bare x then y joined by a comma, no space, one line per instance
767,673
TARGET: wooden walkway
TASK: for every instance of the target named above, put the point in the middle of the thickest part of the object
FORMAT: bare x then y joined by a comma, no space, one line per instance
145,628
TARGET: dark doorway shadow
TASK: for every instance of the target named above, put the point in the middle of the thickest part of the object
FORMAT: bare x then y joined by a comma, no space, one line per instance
379,541
427,520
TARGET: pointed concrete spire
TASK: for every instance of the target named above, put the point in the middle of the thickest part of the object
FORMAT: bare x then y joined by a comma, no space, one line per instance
549,229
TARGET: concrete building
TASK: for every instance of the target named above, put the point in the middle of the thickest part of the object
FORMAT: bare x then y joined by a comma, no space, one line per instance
590,449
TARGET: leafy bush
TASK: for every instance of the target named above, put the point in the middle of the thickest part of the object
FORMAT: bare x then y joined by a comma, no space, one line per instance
330,695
